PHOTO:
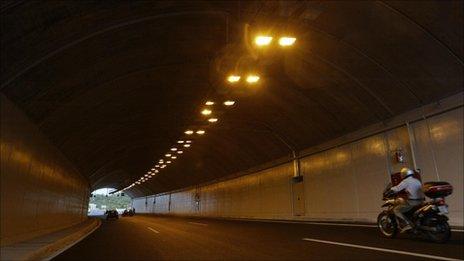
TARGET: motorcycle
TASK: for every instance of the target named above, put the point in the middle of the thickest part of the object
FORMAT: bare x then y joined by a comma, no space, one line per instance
428,218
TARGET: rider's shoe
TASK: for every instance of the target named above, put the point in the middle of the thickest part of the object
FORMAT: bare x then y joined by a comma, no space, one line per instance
406,228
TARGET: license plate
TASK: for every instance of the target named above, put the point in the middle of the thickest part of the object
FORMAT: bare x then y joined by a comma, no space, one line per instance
443,209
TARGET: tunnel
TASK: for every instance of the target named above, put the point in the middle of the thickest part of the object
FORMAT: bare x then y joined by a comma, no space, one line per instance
239,130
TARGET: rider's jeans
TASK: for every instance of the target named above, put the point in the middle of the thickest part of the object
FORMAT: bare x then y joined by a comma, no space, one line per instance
404,206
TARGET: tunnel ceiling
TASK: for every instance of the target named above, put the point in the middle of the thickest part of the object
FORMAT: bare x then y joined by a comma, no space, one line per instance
115,84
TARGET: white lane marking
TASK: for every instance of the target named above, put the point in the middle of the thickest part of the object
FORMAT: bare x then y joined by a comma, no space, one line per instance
154,230
381,249
196,223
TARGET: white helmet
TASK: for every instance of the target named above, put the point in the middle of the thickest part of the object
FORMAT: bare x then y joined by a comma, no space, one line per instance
406,172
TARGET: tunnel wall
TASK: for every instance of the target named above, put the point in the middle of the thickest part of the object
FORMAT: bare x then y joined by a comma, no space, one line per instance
341,183
41,191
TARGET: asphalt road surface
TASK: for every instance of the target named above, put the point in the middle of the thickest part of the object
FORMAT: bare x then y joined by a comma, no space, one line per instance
169,238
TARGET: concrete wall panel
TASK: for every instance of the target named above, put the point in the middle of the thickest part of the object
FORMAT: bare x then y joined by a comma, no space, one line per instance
342,183
41,191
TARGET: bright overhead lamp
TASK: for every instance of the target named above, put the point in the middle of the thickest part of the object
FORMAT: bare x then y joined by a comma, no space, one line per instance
180,152
161,161
189,132
286,41
157,166
163,166
168,162
146,175
152,168
252,78
156,171
206,112
209,103
150,177
263,40
229,103
137,182
173,149
200,132
212,119
167,155
188,141
180,141
174,157
186,145
233,78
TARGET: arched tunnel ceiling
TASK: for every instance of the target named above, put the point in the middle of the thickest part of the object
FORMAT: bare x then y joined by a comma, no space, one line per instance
115,84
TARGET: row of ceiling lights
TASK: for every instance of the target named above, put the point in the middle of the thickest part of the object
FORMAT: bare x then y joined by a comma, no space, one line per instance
176,151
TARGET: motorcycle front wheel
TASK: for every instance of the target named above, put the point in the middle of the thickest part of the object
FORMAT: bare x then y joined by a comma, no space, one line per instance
387,225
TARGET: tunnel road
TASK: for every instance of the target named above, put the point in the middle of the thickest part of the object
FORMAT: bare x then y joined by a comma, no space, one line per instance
172,238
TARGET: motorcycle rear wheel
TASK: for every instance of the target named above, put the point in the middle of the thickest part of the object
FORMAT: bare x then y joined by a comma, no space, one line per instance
442,235
387,225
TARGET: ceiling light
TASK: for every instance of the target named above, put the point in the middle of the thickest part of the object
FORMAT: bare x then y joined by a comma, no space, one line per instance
263,40
188,141
209,103
152,168
157,166
189,132
149,177
213,120
233,78
180,141
286,41
229,103
168,162
200,132
173,149
163,166
161,161
206,112
252,78
174,157
137,182
146,175
167,155
180,152
186,145
156,171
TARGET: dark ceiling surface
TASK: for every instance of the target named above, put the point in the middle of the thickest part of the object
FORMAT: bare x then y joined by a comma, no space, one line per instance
115,84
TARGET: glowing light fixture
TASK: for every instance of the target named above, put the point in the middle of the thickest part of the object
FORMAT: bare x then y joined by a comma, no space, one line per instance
173,149
149,177
146,175
209,103
167,155
252,78
189,132
156,171
180,141
233,78
163,166
186,145
174,157
200,132
157,166
168,162
206,112
180,152
152,168
286,41
263,40
161,161
188,141
229,103
212,119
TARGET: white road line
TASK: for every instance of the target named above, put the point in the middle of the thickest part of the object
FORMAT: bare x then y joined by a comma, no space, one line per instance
196,223
154,230
382,249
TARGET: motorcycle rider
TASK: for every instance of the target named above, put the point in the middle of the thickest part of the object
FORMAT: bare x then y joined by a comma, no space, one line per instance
413,187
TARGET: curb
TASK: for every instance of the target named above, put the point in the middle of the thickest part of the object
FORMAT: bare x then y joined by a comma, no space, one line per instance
52,250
